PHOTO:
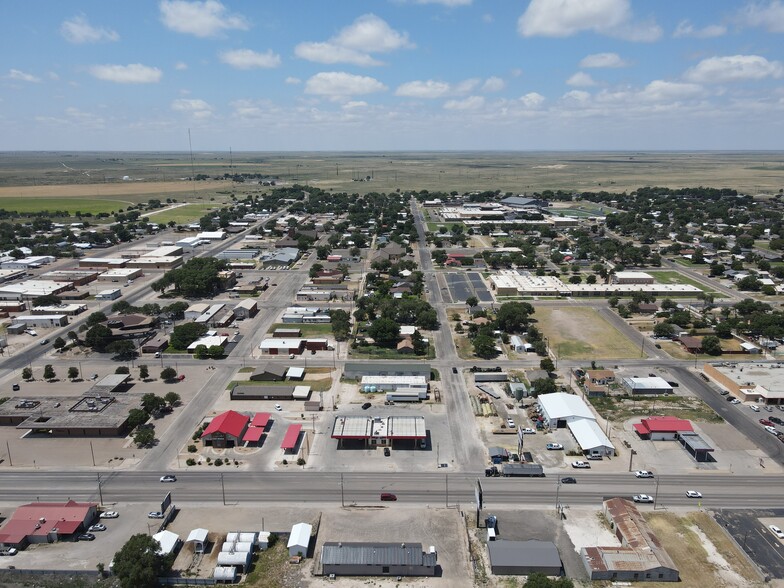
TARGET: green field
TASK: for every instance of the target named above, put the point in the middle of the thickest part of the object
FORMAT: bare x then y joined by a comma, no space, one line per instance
581,333
673,277
70,205
182,214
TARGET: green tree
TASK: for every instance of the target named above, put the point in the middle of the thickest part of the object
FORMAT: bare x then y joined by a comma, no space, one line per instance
168,373
723,330
200,352
49,372
27,373
215,351
48,300
96,318
472,301
341,324
385,332
543,386
547,365
98,337
73,373
420,345
711,345
539,580
152,402
513,316
136,417
172,398
123,350
138,563
144,436
664,330
484,347
184,335
144,372
59,343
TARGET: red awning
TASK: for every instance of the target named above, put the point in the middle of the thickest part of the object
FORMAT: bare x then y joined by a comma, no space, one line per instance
253,434
291,437
641,429
260,419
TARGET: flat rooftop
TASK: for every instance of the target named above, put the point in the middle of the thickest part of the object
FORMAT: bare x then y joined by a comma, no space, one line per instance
69,412
366,427
766,375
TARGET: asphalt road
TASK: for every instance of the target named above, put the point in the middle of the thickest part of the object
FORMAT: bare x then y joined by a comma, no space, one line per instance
755,538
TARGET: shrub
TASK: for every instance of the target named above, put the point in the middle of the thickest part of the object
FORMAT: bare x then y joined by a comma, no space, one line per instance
285,462
190,461
123,369
209,460
192,449
301,461
218,462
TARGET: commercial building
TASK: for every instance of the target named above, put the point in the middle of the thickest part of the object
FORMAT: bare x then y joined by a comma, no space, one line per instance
121,274
27,263
225,430
354,370
392,383
274,346
91,415
209,341
104,262
269,392
639,558
211,235
31,289
246,309
73,276
42,321
749,383
67,309
662,428
523,558
46,522
269,372
560,410
378,559
379,431
111,294
632,278
650,385
150,263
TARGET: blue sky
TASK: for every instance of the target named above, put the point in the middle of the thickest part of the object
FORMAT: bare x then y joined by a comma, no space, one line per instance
392,75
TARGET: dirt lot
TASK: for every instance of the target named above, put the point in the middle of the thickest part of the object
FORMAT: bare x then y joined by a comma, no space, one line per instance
580,333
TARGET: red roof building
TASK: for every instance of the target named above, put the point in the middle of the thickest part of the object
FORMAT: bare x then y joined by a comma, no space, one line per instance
46,522
290,438
662,428
225,430
257,428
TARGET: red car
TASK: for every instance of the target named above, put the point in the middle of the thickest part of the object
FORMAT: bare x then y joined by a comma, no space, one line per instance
765,423
386,496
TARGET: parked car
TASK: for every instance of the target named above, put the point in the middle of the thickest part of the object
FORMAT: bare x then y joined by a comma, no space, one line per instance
97,527
554,446
109,514
568,480
366,406
765,422
643,474
693,494
9,551
278,407
724,392
387,497
580,464
15,387
156,514
754,407
387,452
44,342
735,401
85,537
511,424
168,478
528,431
644,498
730,398
772,430
776,531
777,420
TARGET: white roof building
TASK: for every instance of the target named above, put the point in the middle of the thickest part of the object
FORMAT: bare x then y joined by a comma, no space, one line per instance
562,406
591,438
199,539
299,539
168,541
209,341
212,235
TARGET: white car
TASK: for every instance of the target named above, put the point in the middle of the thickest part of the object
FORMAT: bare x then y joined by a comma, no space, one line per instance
580,464
754,407
278,407
734,401
772,430
511,424
693,494
156,514
776,531
168,478
8,551
643,474
642,498
97,527
528,431
109,514
554,446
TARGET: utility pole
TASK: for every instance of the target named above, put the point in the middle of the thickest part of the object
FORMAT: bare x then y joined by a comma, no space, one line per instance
10,461
557,491
92,453
656,494
100,492
447,490
342,498
223,489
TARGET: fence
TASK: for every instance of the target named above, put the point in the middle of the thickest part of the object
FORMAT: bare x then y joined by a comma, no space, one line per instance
187,581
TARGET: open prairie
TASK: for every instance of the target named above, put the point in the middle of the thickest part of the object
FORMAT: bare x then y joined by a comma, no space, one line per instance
749,172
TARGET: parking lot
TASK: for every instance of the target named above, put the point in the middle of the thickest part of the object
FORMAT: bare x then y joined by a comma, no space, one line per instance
461,286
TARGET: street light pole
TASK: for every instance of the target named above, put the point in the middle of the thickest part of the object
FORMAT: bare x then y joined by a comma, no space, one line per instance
342,498
92,453
557,491
656,494
223,489
100,492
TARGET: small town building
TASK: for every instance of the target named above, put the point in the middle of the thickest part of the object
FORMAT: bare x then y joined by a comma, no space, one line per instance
168,541
361,431
110,294
378,559
199,539
42,321
299,539
225,430
355,370
650,385
273,346
269,372
523,558
46,522
662,428
246,309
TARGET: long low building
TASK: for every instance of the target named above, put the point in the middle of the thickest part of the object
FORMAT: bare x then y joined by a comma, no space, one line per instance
269,392
561,410
43,320
70,416
355,370
379,431
523,558
378,559
392,383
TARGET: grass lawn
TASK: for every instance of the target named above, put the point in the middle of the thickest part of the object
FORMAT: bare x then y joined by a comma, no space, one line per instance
307,330
580,333
183,214
673,277
685,539
619,409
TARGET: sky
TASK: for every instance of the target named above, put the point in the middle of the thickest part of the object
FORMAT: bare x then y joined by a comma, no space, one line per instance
392,75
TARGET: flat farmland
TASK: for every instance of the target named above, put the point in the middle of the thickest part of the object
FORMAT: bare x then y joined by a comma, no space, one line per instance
580,333
182,214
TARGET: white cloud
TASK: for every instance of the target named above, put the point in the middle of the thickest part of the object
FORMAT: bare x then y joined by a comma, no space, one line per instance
78,30
52,76
354,43
353,104
202,19
532,100
767,15
493,84
20,76
423,89
564,18
488,18
338,84
516,72
248,59
466,86
194,107
733,68
686,29
180,66
134,73
581,79
470,103
330,53
293,81
662,91
603,60
577,96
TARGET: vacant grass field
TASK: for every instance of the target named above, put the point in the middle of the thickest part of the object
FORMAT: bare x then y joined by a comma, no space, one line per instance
620,409
701,551
28,204
580,333
183,214
672,277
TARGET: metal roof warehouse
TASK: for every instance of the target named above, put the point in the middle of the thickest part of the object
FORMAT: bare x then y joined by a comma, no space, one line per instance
379,430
